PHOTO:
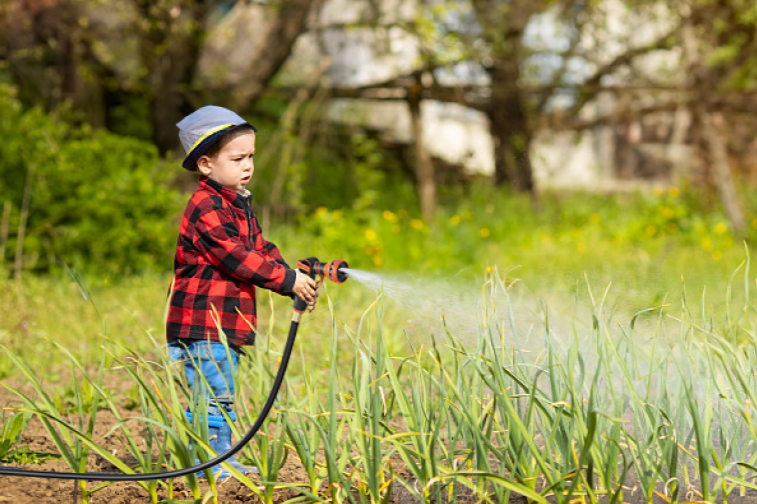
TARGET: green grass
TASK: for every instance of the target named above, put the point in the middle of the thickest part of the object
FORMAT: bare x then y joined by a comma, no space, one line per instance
601,358
644,245
560,410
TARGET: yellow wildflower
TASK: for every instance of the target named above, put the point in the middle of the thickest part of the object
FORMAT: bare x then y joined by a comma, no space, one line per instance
378,261
455,220
322,210
674,191
706,244
484,232
390,216
417,223
721,228
370,234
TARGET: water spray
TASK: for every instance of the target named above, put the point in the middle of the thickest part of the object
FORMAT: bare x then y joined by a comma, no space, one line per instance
335,272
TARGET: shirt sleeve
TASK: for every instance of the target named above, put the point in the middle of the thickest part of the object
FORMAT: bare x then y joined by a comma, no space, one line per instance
218,237
269,249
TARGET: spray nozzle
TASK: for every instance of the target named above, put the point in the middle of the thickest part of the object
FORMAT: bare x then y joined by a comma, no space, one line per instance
333,270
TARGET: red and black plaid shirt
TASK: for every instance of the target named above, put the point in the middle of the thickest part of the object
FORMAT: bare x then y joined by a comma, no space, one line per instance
220,258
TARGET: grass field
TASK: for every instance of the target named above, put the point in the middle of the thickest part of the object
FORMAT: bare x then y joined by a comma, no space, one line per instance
565,360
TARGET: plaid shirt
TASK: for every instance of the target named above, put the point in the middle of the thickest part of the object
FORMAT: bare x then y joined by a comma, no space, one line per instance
220,257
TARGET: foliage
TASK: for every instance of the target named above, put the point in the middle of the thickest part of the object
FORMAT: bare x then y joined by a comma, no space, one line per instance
724,30
323,165
13,427
96,200
489,226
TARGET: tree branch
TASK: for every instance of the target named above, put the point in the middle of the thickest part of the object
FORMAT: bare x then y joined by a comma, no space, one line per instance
289,21
626,58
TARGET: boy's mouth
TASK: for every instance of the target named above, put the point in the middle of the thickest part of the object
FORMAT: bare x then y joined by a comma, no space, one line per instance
246,180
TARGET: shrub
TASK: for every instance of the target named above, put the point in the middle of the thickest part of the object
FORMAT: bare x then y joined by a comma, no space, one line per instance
96,200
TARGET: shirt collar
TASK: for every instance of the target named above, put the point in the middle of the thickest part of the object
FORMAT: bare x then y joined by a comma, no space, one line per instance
230,195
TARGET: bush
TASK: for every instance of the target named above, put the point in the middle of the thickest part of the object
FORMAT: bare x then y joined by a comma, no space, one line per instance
97,201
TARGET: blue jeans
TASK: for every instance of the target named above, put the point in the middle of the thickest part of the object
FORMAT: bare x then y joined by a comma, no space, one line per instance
209,359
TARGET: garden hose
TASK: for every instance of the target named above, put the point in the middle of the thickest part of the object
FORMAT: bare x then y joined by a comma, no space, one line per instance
311,267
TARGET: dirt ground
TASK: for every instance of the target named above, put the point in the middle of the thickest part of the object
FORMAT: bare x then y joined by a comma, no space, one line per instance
39,490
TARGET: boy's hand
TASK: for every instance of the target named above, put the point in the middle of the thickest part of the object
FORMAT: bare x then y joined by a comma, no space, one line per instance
305,289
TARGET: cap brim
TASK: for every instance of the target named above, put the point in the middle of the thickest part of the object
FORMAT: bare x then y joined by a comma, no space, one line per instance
190,162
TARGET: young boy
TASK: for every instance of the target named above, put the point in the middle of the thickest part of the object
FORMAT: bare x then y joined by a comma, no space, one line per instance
221,256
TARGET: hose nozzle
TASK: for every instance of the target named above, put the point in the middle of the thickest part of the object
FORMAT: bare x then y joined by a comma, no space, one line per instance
333,270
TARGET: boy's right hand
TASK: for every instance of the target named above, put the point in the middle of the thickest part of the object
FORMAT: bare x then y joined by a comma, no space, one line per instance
305,289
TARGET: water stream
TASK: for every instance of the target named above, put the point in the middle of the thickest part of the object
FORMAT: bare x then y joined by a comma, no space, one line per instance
430,303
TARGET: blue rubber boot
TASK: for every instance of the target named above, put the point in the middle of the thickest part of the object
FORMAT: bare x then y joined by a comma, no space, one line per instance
215,423
224,444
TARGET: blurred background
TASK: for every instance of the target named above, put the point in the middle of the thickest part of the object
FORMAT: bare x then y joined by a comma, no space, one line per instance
607,138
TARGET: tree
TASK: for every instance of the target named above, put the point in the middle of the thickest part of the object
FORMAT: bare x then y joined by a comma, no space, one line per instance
719,44
424,166
502,26
101,53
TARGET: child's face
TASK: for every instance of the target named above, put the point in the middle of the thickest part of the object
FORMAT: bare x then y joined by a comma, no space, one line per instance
233,166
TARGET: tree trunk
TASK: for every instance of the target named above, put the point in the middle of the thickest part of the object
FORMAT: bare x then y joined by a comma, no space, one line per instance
503,24
701,83
168,106
424,166
509,128
717,155
4,230
173,62
26,202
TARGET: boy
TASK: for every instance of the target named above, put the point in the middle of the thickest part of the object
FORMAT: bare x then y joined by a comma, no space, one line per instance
221,256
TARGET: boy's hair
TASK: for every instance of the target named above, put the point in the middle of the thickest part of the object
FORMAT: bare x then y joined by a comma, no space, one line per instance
216,147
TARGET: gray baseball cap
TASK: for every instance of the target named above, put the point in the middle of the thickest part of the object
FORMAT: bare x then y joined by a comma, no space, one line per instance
204,127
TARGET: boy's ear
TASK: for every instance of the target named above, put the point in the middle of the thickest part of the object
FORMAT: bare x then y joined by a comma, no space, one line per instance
203,165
